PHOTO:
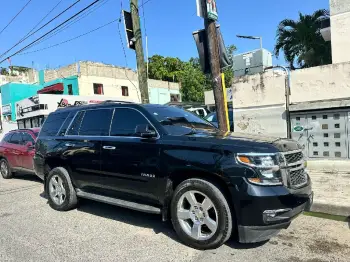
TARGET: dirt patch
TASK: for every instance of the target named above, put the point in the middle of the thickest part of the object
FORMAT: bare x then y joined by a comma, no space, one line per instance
287,237
325,246
5,215
297,259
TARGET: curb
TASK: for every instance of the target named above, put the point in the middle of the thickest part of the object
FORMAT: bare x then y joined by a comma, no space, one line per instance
337,210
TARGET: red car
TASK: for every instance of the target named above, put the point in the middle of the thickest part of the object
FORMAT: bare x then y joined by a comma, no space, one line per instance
17,151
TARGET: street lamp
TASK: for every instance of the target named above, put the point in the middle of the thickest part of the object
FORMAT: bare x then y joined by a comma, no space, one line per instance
252,37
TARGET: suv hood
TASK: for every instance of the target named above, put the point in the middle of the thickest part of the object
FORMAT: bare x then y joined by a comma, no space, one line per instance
282,144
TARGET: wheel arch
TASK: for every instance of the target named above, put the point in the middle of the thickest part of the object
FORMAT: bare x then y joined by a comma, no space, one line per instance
53,162
179,175
3,157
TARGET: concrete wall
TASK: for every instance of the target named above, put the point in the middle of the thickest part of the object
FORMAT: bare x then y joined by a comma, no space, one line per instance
320,83
259,100
340,30
62,72
265,120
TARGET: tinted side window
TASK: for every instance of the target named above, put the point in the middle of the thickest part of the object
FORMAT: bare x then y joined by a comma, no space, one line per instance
53,123
16,139
96,122
74,128
125,121
66,124
7,138
27,138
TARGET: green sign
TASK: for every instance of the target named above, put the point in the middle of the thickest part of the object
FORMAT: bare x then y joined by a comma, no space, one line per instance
212,10
298,128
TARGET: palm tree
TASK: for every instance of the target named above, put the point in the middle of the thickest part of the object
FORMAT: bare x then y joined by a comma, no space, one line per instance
302,42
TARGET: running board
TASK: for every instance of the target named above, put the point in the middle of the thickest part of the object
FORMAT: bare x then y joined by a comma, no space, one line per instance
119,202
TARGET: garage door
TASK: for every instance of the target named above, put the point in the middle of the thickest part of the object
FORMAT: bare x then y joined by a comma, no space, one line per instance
322,134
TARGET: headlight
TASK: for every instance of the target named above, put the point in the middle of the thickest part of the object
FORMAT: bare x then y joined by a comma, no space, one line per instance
267,166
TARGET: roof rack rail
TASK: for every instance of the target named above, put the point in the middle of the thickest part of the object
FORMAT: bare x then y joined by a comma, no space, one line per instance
117,101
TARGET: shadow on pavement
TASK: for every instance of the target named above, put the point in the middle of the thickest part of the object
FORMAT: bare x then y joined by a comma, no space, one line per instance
144,220
233,243
128,216
27,177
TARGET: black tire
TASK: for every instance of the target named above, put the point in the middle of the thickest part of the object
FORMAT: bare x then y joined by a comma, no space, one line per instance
70,200
224,217
9,173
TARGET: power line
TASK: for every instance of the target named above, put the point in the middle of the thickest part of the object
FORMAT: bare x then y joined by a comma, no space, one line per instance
43,18
26,37
74,21
69,40
20,11
87,7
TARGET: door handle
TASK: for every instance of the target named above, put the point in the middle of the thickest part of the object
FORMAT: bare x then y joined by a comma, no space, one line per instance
69,145
109,147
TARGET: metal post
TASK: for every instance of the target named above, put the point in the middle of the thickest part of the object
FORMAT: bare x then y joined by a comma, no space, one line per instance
287,94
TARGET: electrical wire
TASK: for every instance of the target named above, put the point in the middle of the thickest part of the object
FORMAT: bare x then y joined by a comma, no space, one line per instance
26,37
20,11
74,21
69,40
42,19
52,30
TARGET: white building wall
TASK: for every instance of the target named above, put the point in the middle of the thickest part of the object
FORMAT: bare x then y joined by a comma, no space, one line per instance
259,100
112,87
112,78
340,30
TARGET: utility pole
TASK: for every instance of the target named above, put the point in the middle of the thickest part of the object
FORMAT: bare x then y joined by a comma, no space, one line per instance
214,60
141,65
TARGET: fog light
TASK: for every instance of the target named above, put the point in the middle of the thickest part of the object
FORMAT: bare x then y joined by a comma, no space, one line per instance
275,215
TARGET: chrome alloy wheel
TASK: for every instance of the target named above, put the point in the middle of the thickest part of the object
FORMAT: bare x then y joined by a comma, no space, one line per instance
4,169
197,215
57,190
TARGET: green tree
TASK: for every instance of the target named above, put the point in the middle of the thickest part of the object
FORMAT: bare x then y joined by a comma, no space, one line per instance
302,42
3,71
193,81
165,68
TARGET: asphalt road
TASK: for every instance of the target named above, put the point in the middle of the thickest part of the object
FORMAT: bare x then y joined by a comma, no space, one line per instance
31,231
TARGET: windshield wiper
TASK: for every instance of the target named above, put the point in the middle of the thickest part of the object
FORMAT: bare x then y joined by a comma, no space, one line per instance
180,121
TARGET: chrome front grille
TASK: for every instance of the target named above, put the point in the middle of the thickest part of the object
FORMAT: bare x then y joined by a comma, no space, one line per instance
294,157
296,174
297,177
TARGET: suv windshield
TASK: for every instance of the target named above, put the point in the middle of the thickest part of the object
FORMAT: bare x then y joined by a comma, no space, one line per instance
173,118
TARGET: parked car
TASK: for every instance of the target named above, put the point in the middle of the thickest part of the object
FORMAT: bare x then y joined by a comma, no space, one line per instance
165,160
17,151
196,108
200,111
212,118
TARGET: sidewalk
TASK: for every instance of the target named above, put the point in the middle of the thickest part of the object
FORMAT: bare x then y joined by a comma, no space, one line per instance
331,185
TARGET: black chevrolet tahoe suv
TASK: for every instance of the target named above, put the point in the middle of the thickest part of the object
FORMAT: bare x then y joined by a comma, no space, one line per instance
165,160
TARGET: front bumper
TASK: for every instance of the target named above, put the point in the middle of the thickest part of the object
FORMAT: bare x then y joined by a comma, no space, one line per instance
261,212
253,234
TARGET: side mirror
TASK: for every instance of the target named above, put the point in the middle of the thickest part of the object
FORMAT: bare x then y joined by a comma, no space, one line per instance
145,131
29,145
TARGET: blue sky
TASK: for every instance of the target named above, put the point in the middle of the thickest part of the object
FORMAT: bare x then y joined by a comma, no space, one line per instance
169,27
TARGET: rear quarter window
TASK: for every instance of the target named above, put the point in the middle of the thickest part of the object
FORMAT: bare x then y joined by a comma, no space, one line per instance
7,138
53,123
